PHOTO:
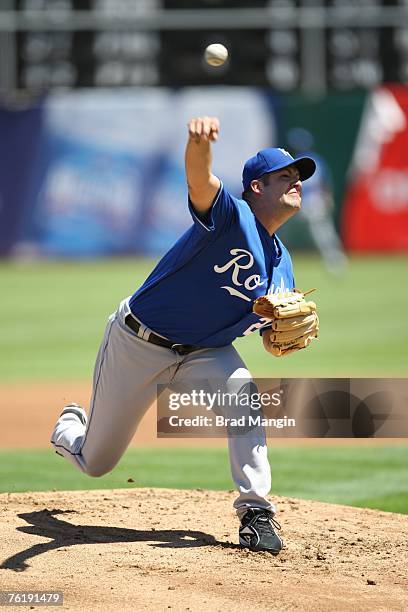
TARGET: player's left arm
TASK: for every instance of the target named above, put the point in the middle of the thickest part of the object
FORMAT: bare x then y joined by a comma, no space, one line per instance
203,185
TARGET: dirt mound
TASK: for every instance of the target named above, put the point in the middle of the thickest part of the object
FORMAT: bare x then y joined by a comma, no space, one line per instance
165,549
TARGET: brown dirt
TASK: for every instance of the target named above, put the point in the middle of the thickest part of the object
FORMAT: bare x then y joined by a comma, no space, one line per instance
151,549
145,549
29,412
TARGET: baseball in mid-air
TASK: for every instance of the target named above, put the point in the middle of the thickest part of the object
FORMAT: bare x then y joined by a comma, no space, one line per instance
216,54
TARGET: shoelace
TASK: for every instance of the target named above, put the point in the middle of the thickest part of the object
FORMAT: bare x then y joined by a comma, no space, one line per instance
266,525
275,523
269,518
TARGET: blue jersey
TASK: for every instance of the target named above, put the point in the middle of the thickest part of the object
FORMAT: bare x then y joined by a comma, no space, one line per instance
201,292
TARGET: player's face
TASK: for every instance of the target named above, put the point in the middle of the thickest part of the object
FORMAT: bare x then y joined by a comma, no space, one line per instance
284,188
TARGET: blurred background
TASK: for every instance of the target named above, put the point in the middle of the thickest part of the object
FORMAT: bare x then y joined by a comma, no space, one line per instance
95,96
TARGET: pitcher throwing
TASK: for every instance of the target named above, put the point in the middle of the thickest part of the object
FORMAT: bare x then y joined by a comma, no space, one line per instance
179,326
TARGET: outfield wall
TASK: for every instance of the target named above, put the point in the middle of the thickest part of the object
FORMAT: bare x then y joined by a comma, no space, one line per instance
100,172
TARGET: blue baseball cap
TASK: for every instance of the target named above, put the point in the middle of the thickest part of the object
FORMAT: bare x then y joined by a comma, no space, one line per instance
269,160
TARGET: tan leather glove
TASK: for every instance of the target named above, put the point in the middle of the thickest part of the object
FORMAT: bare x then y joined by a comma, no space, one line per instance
294,320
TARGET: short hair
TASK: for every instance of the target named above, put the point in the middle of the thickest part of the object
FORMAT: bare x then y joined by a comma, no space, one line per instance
248,192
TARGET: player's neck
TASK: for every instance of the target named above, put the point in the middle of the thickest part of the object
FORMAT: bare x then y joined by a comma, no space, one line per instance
272,220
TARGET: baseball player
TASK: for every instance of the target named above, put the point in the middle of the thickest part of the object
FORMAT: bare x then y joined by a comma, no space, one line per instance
179,325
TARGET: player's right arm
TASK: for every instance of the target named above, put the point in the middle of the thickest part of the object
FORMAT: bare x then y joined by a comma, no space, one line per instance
203,185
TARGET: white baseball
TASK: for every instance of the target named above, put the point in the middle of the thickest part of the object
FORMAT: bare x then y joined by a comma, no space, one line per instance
216,54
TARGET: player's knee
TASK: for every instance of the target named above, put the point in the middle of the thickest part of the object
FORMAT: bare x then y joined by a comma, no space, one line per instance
96,469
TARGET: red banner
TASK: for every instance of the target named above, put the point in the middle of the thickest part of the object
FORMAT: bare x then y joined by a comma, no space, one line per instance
375,211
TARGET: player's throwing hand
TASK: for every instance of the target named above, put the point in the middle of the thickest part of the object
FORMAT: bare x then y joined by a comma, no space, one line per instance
204,129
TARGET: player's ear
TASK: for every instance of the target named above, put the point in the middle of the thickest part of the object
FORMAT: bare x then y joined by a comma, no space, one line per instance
257,186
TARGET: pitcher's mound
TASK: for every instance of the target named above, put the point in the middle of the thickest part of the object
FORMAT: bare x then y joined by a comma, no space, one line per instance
159,549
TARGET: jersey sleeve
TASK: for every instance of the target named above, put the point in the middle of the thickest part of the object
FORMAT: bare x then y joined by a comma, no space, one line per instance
221,215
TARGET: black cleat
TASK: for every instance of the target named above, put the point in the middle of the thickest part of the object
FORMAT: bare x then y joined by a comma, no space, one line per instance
257,531
77,410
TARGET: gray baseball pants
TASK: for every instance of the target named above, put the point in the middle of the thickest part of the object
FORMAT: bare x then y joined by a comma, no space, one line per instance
127,372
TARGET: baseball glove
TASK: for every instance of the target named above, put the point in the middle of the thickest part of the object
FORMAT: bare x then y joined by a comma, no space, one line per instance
294,321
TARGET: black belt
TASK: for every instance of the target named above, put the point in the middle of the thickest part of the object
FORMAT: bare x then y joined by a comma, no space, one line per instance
181,349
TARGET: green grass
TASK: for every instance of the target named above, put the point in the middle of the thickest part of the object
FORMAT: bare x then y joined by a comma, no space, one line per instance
373,477
52,317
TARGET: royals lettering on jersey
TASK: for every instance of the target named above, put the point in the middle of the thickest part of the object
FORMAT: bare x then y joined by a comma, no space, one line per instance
242,260
201,292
